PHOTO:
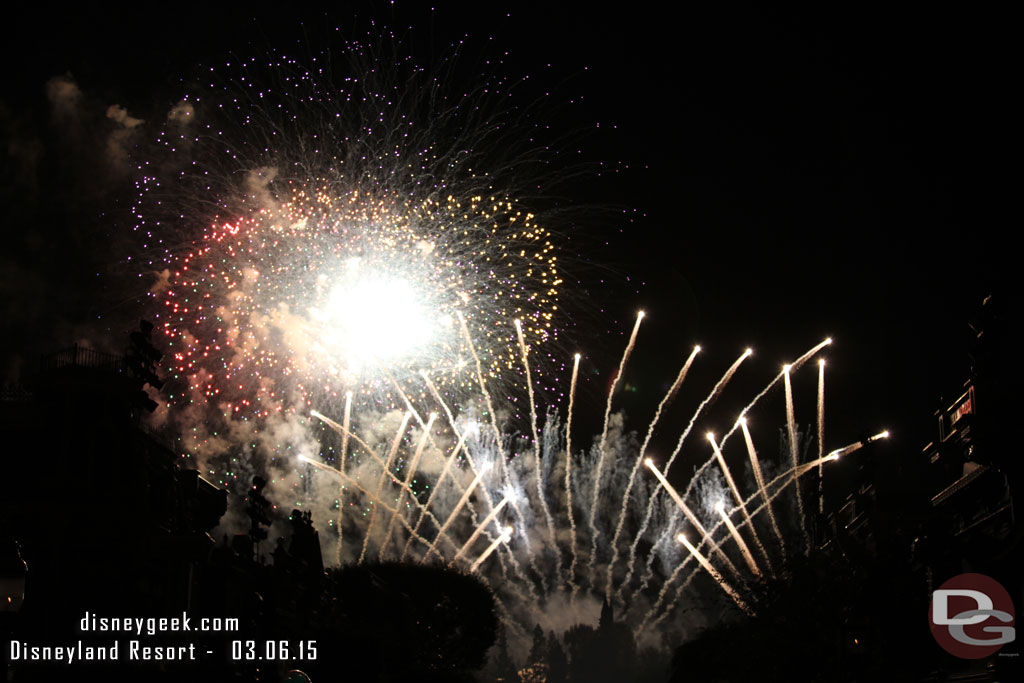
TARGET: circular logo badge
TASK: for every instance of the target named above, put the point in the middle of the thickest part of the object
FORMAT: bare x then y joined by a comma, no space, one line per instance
971,616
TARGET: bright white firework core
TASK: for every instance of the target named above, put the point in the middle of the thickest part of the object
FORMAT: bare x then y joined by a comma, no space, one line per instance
373,317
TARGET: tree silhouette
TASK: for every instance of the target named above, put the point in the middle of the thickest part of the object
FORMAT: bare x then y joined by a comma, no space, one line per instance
502,668
391,621
605,653
558,663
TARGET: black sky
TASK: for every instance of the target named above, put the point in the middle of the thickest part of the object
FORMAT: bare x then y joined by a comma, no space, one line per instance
791,175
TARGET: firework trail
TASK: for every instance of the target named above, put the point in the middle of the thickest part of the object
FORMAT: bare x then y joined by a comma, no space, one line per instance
652,557
663,593
404,487
705,538
568,477
346,423
794,366
738,498
709,400
502,464
410,473
454,514
755,465
504,538
794,455
455,430
537,469
604,437
355,484
385,472
476,533
530,596
786,478
707,463
480,527
636,466
821,436
437,486
479,373
735,533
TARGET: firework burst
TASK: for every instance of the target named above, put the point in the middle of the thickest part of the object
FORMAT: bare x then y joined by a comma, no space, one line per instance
325,236
324,228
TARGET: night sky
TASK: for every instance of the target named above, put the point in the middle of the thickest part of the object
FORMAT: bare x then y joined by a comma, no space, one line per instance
784,177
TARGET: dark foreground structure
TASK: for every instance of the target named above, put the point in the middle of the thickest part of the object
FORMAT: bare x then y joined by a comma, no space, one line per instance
106,539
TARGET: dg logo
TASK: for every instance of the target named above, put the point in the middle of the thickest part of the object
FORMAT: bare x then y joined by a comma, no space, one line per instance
971,616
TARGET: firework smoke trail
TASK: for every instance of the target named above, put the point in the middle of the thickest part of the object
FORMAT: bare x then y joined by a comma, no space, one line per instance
369,494
341,467
384,474
476,532
405,398
373,454
660,600
734,532
663,593
482,526
738,498
689,514
759,477
472,466
715,392
497,435
795,455
601,447
636,466
786,478
454,513
536,452
504,538
709,400
437,485
516,567
406,488
715,552
568,479
413,464
821,436
396,512
486,497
